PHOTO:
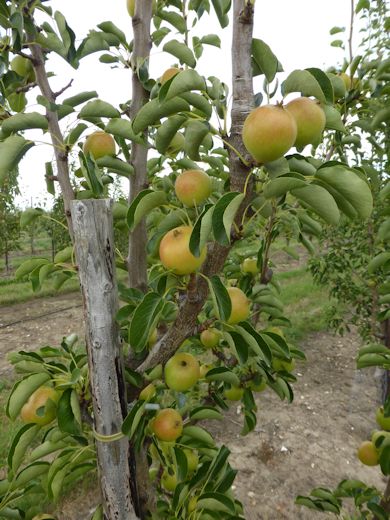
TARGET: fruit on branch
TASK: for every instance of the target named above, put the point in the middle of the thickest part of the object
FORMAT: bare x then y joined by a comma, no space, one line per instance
192,459
167,425
279,364
310,119
131,7
99,144
249,265
152,338
176,144
204,369
168,481
24,68
175,251
233,393
384,422
381,433
193,187
240,305
148,392
269,132
168,74
210,337
258,385
192,504
181,372
368,454
43,517
349,84
41,407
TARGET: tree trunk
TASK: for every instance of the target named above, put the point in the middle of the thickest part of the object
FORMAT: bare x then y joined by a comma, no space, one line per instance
137,259
94,246
6,254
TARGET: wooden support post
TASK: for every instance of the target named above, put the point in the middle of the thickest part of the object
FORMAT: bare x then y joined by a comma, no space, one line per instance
94,247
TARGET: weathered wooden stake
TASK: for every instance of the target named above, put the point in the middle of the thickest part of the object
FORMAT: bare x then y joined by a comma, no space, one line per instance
94,246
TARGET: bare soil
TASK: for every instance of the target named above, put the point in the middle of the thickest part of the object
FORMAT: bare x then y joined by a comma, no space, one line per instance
294,447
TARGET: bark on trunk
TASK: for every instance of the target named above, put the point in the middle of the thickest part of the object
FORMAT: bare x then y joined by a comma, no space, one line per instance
137,259
94,246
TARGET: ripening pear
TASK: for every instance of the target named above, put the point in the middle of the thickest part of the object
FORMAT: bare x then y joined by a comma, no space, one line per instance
269,132
168,74
310,119
193,187
368,454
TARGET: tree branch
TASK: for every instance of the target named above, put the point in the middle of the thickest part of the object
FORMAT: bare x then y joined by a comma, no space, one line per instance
60,152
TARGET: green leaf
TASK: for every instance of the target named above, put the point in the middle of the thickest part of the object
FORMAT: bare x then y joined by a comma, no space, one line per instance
211,39
24,121
22,391
324,82
181,52
333,119
256,342
223,216
68,420
133,419
320,201
174,19
215,502
29,266
144,202
29,473
144,319
94,42
194,135
110,27
21,442
221,298
198,433
122,128
167,131
65,255
199,102
201,230
265,59
80,98
153,111
382,116
115,165
223,374
98,108
221,13
379,261
349,185
92,174
281,185
362,4
29,216
304,82
335,30
184,81
205,412
12,150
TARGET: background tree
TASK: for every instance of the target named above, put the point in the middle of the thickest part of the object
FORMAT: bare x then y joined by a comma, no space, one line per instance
9,218
184,277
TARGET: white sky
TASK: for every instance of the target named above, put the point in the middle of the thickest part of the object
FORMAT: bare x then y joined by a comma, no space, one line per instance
297,32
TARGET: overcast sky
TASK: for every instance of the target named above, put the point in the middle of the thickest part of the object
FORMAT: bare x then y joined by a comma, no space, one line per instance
297,32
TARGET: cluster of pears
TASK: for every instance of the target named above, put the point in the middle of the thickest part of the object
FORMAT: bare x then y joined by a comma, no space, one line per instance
369,452
270,131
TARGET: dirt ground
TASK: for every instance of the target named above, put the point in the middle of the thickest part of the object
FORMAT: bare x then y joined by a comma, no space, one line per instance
294,448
